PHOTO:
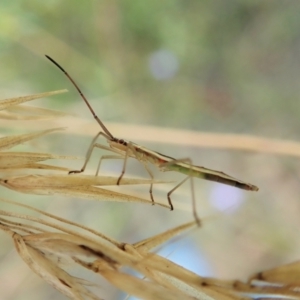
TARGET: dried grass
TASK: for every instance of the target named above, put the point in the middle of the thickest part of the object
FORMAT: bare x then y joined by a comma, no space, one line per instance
46,242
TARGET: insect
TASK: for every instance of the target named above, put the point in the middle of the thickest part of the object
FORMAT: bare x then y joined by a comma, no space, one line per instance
125,149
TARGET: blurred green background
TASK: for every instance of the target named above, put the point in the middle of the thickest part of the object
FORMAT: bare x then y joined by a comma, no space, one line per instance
212,66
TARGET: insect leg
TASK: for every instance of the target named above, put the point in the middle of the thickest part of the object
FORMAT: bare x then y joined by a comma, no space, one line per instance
151,185
124,166
189,161
131,147
90,150
106,157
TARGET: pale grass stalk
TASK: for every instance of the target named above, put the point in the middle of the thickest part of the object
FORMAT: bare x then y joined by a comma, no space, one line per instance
44,245
163,279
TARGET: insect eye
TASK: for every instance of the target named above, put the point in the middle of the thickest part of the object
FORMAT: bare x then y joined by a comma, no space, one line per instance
122,142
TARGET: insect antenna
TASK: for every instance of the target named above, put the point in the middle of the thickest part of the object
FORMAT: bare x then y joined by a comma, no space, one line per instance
83,97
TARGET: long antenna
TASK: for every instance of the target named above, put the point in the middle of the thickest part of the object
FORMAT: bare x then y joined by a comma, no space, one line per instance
83,97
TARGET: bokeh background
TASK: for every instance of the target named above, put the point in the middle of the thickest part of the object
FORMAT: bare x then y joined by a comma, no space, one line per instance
152,68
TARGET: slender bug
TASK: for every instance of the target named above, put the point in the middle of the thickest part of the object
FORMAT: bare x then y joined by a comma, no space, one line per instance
125,149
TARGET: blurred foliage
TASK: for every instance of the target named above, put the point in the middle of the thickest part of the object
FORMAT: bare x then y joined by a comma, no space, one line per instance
237,60
221,66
